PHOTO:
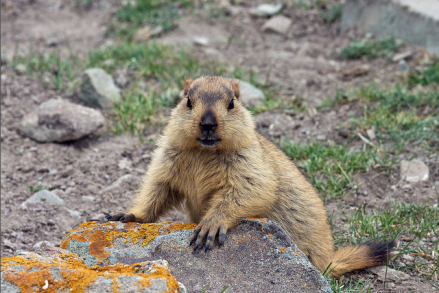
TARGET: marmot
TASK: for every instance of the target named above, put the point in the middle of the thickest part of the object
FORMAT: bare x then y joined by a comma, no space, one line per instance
212,156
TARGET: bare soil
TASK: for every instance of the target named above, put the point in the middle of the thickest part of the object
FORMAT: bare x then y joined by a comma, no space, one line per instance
302,63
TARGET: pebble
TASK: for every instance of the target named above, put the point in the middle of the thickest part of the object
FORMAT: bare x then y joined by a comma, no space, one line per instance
278,24
41,244
142,34
266,9
321,137
414,171
21,68
250,95
52,42
201,41
87,198
98,88
33,149
384,273
371,134
401,56
121,80
74,214
43,196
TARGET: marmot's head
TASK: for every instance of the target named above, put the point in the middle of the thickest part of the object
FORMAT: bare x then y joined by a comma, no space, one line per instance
211,117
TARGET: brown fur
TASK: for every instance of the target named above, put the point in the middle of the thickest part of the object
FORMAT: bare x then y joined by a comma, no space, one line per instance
243,175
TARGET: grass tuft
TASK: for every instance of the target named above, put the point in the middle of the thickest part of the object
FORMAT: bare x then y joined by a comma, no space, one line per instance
370,49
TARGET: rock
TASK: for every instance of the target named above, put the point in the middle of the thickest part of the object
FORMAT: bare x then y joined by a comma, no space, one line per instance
121,80
20,68
354,72
266,9
52,42
321,137
87,198
98,88
201,41
415,22
142,34
414,171
59,121
401,56
386,273
278,24
259,256
403,66
58,270
125,164
74,214
43,244
371,134
158,30
43,196
118,185
250,95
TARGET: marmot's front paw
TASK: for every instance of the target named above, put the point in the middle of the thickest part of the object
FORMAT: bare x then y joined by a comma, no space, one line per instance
205,233
120,216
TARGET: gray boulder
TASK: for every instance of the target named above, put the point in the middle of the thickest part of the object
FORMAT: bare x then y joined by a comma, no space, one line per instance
98,89
250,95
44,196
58,270
257,255
59,121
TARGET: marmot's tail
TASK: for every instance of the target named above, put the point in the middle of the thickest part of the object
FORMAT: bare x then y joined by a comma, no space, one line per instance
369,254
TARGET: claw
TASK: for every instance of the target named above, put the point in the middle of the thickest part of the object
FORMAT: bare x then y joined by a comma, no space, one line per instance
196,246
207,247
192,241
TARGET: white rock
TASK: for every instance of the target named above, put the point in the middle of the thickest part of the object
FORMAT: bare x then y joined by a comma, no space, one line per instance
41,244
266,9
321,137
74,214
414,171
201,41
98,88
400,56
278,24
87,198
371,133
44,196
21,68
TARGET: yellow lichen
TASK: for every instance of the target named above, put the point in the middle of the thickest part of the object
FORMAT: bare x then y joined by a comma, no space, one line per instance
76,276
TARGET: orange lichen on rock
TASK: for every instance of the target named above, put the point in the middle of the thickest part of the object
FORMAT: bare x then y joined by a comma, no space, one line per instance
296,253
282,249
98,243
178,226
263,220
147,232
76,276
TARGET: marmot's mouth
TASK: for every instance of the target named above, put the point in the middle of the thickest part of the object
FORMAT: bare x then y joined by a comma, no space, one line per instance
208,140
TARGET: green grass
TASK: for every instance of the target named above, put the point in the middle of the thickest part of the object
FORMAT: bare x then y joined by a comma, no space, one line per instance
332,14
425,77
59,71
154,13
370,49
330,169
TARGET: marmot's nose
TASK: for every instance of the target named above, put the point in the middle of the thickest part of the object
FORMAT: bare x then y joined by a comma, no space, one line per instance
208,122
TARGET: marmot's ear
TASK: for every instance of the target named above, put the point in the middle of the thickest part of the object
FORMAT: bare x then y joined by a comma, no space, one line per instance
187,85
235,86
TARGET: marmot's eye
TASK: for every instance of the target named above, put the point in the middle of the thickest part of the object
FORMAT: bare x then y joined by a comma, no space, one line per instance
231,105
189,104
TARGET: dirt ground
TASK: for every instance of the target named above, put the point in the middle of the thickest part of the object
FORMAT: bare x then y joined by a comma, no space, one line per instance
109,168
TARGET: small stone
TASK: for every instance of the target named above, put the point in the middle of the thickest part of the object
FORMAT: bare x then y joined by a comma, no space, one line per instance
9,244
386,273
201,41
108,62
33,149
87,198
98,88
125,164
43,196
158,30
354,72
42,244
52,42
59,121
321,137
266,9
21,68
278,24
74,214
414,171
250,95
121,80
407,257
71,183
401,56
53,171
403,66
142,34
371,133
